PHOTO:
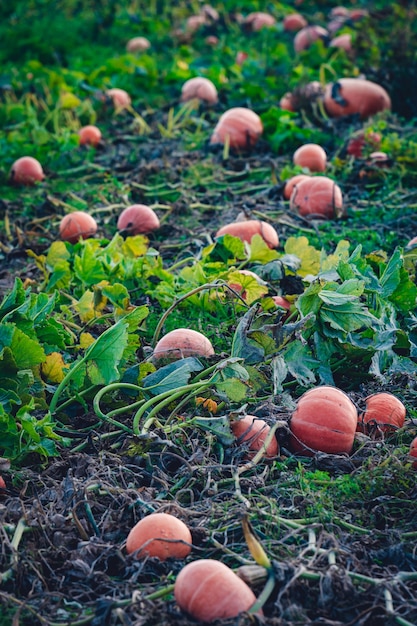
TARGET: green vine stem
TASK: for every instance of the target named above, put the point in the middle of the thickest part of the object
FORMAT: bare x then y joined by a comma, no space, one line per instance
162,400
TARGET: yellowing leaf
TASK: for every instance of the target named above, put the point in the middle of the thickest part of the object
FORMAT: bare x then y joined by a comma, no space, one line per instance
260,251
182,65
85,306
53,367
56,253
341,253
248,286
308,255
86,339
69,101
135,246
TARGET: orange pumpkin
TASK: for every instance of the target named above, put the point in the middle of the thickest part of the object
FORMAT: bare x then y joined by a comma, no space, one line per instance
354,96
325,420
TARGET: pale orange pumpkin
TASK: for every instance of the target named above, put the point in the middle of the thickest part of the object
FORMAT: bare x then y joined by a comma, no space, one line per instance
208,590
26,171
137,219
317,196
138,44
201,88
160,535
312,156
307,36
247,229
325,420
181,343
354,96
294,22
383,410
252,432
240,126
76,225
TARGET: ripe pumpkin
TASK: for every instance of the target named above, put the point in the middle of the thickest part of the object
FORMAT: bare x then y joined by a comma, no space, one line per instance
325,420
312,156
200,88
247,229
317,196
294,22
180,343
291,183
26,171
138,44
242,127
257,20
383,409
120,97
160,535
342,41
77,224
137,219
350,96
89,135
209,590
253,431
307,36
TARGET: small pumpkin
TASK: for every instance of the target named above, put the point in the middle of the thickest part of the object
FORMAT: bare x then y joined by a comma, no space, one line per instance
307,36
252,432
76,225
294,22
201,88
247,229
257,20
384,410
208,590
138,44
160,535
137,219
317,196
354,96
181,343
312,156
291,183
240,126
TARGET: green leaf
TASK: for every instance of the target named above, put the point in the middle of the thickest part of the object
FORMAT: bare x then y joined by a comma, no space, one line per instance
87,267
7,398
347,317
227,248
260,251
171,376
308,255
104,355
234,389
27,352
279,373
390,278
242,346
300,363
13,299
335,298
219,426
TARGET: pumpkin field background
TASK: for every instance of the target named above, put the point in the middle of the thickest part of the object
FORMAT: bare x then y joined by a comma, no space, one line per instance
95,433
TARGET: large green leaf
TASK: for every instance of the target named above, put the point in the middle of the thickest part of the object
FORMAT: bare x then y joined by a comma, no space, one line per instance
87,266
171,376
27,352
104,355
